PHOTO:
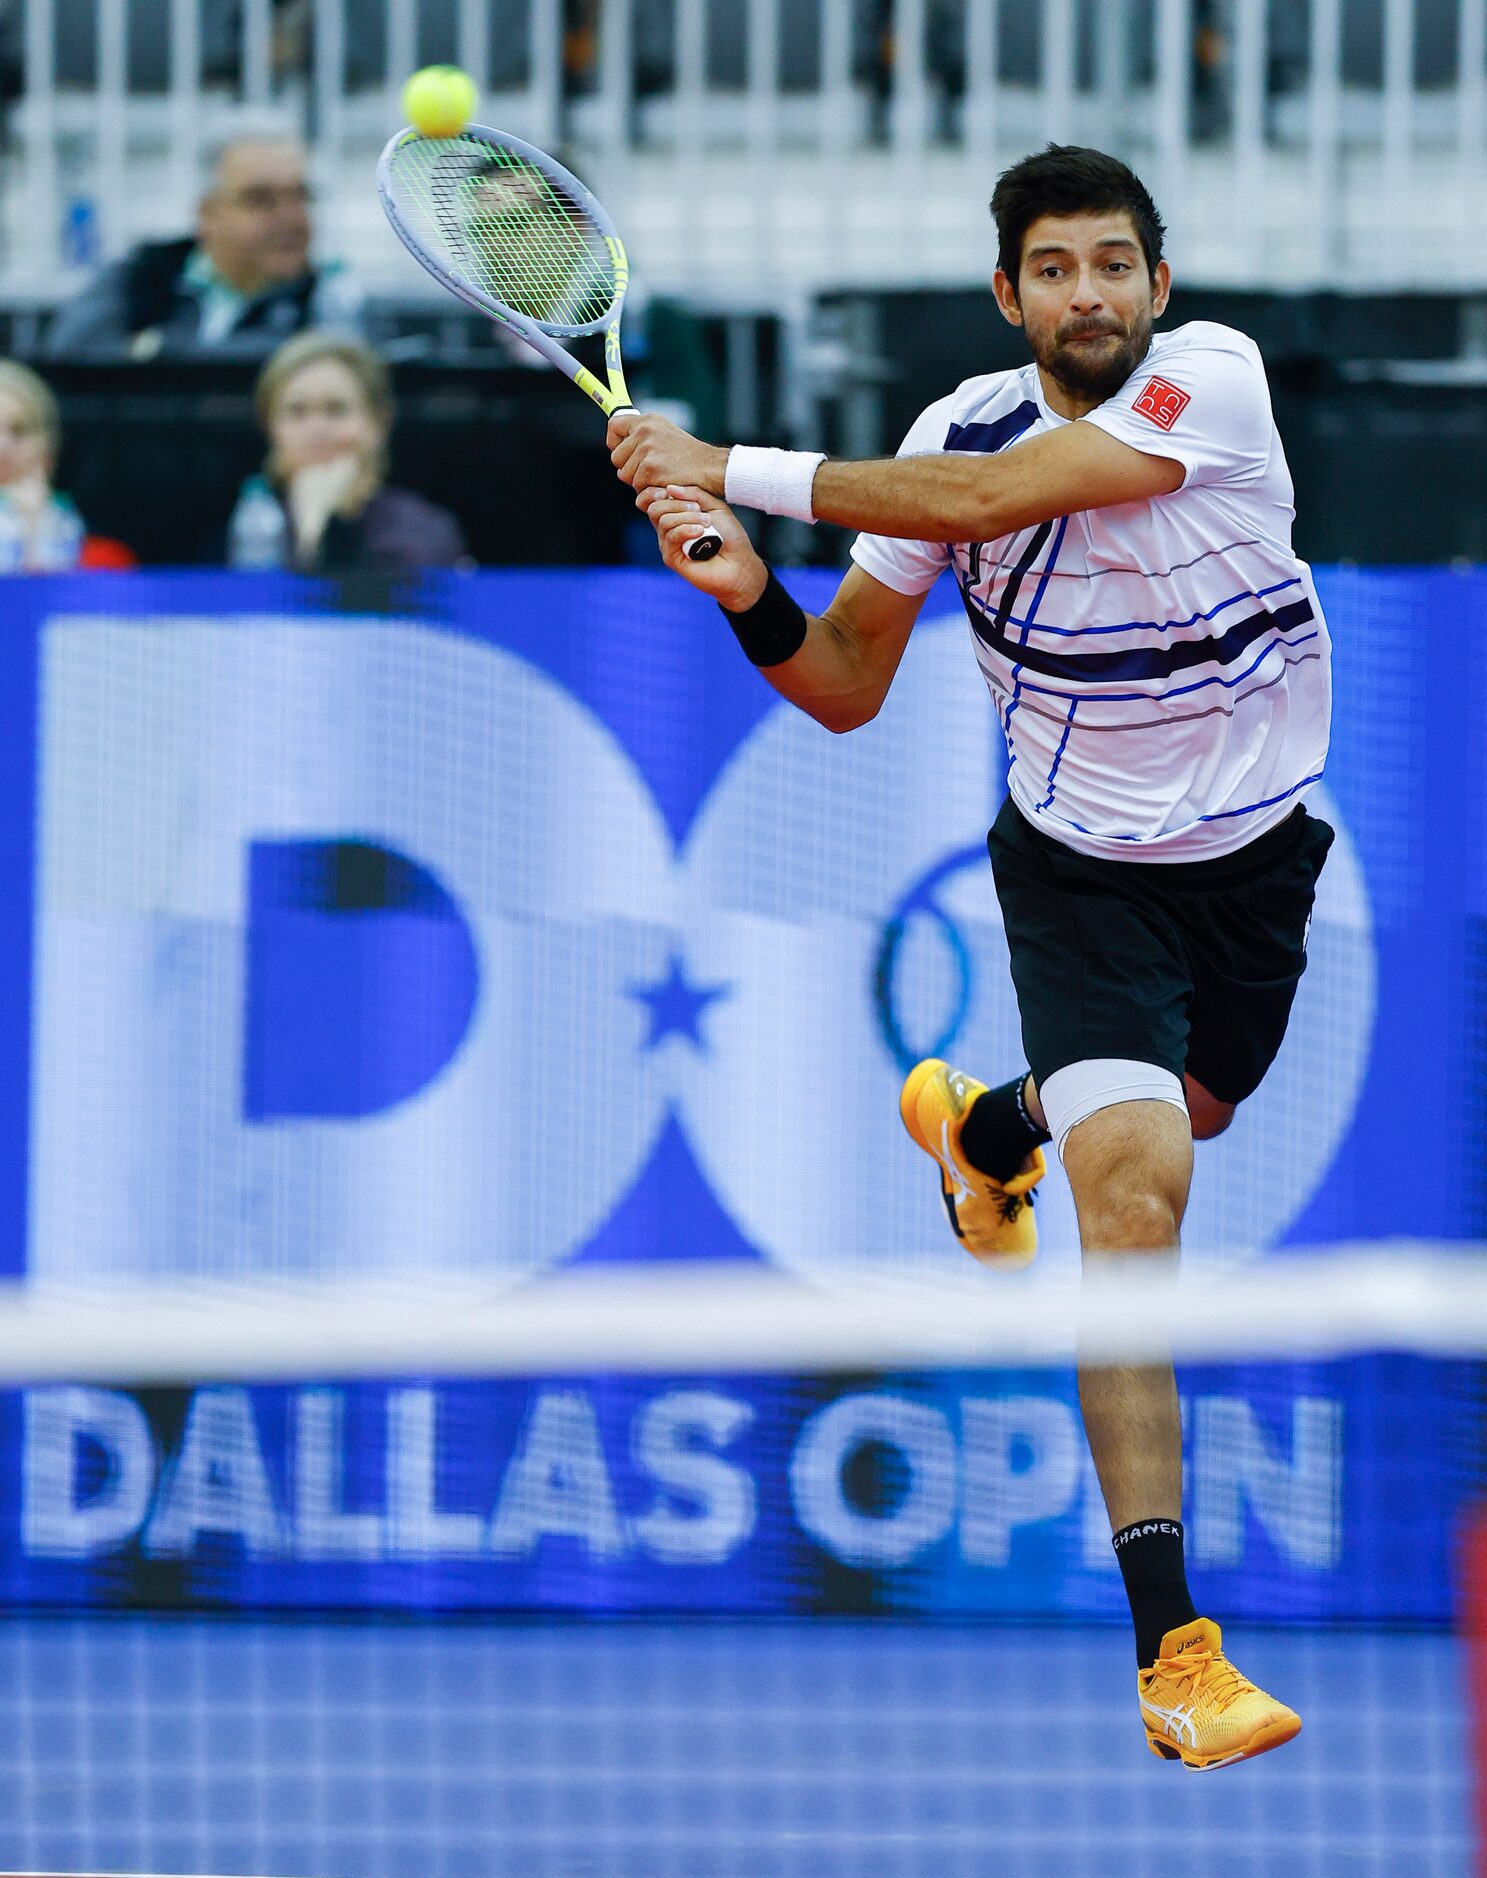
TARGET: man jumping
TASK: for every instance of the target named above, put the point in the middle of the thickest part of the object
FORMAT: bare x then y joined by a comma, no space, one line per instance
1118,516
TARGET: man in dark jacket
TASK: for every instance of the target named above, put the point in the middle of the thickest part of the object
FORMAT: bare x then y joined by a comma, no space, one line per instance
241,285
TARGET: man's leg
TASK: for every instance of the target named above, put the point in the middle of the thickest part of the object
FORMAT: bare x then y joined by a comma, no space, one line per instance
1130,1164
1130,1167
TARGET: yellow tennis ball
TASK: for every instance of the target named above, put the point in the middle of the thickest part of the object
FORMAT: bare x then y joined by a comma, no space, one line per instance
439,100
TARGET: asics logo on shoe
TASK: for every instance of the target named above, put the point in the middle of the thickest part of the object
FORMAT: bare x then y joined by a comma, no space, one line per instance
1175,1721
947,1160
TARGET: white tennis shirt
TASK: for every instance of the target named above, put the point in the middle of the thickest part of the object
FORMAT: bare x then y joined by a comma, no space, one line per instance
1161,669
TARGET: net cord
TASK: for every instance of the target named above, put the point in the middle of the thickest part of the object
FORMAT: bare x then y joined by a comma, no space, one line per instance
1427,1297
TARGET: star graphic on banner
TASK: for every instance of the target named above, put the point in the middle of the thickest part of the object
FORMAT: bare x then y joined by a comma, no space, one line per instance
676,1006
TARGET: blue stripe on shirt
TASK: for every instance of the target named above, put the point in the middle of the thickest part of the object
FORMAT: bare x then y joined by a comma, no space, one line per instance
1181,691
986,439
1058,755
1157,625
1058,542
1138,662
1249,808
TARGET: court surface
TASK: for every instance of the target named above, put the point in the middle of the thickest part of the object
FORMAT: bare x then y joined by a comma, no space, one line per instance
831,1750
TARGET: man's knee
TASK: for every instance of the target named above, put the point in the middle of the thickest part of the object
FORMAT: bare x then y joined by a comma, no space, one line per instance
1132,1199
1130,1217
1129,1166
1207,1115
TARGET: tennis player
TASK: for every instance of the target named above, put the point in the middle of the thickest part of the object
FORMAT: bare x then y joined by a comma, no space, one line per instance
1118,517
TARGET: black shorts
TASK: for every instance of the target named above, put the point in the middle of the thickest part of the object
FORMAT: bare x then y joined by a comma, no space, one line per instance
1188,964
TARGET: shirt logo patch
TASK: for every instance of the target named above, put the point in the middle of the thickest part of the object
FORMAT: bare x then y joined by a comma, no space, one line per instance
1162,403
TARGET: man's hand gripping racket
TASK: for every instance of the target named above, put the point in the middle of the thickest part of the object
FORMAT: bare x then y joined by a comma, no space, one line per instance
513,234
682,514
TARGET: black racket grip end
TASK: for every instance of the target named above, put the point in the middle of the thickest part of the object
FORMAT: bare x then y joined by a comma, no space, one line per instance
704,546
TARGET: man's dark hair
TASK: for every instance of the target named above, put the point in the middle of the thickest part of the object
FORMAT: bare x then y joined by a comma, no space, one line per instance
1066,179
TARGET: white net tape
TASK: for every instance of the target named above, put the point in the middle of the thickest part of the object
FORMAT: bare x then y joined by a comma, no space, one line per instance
1404,1295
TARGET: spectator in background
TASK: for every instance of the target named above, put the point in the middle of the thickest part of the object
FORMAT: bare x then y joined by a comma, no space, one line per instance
242,283
40,530
322,503
1211,114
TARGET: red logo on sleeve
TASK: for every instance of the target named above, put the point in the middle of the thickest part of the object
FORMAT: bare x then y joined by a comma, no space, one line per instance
1162,403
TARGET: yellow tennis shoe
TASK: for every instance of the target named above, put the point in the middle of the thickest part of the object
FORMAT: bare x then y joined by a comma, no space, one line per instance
1198,1709
993,1219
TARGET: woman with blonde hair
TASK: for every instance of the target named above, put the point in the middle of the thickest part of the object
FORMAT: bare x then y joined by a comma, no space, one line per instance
40,529
322,503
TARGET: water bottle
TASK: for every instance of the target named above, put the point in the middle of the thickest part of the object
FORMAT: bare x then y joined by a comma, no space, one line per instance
58,543
257,534
80,244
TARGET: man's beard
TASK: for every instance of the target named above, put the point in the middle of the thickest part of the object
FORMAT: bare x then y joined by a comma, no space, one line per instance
1094,371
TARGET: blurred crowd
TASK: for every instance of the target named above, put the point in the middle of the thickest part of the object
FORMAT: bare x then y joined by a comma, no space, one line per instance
242,285
245,285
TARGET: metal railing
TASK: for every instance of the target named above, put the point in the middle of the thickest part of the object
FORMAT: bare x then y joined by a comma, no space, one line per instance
1341,142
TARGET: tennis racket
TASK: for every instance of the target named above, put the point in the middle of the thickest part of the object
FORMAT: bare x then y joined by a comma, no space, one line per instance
514,235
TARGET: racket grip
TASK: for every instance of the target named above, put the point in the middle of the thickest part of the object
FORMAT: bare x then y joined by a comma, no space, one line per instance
704,546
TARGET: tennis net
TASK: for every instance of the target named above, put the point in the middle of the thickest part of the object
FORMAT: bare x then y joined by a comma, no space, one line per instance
653,1572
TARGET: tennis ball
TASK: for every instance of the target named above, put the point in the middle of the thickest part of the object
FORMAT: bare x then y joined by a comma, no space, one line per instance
439,100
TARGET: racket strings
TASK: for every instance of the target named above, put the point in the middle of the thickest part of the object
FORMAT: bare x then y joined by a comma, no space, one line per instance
508,228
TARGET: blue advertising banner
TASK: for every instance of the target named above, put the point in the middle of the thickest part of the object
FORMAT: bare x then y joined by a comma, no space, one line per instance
510,921
1322,1493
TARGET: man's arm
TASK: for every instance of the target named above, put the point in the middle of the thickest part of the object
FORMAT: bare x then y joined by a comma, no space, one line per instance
966,498
925,498
841,673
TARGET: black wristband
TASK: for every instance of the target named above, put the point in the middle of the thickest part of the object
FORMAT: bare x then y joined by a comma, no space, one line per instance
773,629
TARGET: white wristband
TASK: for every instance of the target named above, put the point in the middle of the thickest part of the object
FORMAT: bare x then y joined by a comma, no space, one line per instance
777,481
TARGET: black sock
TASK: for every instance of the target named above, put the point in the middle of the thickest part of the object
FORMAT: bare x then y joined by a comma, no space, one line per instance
1150,1555
998,1135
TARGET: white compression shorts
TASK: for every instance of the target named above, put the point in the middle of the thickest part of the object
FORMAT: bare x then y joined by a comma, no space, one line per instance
1072,1095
